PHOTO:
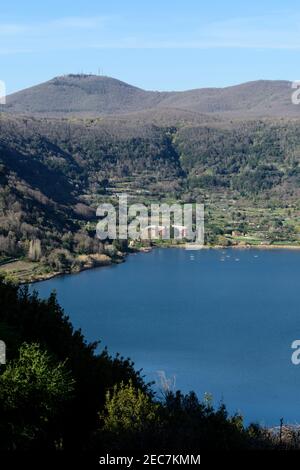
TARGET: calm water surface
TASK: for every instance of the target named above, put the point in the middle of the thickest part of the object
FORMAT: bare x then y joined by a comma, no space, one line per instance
218,321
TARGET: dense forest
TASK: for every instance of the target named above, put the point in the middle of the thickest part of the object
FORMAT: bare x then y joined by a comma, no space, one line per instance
54,173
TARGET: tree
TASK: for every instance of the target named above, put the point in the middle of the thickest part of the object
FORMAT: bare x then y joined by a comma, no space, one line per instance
130,417
60,260
128,409
33,389
35,250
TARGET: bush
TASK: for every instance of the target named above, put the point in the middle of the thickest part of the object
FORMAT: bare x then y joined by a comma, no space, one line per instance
60,260
33,389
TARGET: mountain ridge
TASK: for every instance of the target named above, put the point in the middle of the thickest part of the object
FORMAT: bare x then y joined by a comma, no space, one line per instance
93,95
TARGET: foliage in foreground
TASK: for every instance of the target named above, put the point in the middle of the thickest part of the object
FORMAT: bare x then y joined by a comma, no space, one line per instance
131,420
24,318
33,390
56,392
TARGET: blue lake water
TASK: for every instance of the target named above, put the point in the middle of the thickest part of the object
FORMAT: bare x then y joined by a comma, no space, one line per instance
218,321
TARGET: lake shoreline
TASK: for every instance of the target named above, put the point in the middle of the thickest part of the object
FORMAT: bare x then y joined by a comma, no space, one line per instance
236,247
34,277
168,311
181,247
50,275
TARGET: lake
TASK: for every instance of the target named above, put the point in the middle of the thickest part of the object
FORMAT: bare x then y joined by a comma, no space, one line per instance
216,321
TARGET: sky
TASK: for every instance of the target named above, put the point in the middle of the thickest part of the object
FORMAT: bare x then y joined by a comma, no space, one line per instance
155,45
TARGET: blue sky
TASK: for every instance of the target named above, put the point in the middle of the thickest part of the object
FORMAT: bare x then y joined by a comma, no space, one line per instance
161,45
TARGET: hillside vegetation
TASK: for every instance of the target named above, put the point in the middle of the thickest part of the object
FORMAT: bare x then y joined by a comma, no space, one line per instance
55,171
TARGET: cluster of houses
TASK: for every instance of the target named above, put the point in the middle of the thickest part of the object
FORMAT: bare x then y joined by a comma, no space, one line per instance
154,232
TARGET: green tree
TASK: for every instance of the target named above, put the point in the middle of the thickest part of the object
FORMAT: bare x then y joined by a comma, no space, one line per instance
129,413
129,409
33,389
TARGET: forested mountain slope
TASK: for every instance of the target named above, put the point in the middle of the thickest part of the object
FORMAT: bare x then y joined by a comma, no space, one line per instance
54,172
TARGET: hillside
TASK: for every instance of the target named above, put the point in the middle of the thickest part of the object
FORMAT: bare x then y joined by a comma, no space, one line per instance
76,141
55,172
82,94
91,95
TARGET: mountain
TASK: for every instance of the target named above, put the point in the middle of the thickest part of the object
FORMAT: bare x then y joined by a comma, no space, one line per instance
92,95
82,94
76,141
